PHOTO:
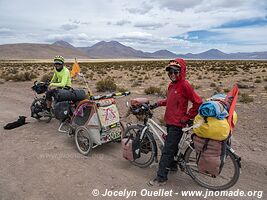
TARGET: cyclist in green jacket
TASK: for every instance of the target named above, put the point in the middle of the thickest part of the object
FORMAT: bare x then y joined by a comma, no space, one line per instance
61,80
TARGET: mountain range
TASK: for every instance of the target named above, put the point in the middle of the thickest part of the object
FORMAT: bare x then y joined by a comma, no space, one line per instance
112,49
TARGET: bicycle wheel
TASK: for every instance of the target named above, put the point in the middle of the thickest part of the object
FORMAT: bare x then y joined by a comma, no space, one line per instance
148,145
83,140
38,109
226,179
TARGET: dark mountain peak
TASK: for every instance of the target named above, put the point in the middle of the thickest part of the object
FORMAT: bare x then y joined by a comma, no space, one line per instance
211,54
162,51
114,42
163,54
63,43
110,49
214,51
107,44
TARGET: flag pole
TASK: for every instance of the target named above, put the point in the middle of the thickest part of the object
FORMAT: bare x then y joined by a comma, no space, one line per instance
77,71
86,83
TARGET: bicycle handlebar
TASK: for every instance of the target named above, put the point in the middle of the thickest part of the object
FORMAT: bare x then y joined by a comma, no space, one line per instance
47,82
114,94
143,109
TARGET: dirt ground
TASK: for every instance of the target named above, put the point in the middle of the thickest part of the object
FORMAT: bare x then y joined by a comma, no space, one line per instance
37,162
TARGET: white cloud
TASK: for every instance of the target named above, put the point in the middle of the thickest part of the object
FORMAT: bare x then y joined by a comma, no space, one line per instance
143,41
178,5
5,31
66,37
121,22
142,9
146,25
149,25
68,27
255,35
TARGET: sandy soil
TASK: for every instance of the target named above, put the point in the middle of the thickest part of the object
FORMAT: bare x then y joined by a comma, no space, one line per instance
37,162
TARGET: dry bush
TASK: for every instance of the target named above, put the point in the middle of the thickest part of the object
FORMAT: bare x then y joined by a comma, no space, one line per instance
46,77
218,89
154,90
226,90
158,74
136,84
121,89
245,98
22,76
107,84
195,86
213,85
242,86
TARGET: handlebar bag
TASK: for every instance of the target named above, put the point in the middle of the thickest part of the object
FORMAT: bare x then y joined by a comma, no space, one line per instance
40,88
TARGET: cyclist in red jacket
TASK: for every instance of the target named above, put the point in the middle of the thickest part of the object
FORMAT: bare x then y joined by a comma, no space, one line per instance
177,115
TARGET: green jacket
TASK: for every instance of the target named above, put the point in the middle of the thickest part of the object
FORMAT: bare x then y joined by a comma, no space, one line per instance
61,79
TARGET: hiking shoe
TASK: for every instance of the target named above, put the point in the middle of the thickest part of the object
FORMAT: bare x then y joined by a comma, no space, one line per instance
47,113
156,183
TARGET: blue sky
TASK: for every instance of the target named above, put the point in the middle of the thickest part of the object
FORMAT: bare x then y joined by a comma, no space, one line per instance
176,25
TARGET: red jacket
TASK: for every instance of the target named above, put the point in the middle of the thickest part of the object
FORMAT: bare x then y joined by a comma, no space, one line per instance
179,94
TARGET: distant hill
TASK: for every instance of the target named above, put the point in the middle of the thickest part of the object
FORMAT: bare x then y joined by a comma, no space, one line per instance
216,54
250,56
38,51
162,54
62,43
212,53
112,49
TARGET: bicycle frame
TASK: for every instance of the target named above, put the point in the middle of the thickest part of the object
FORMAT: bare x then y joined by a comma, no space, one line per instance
151,124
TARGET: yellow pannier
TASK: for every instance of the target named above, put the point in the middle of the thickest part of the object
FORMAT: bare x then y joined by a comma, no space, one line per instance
214,128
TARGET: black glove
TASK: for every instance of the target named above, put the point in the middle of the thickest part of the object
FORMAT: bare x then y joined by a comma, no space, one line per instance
153,106
188,122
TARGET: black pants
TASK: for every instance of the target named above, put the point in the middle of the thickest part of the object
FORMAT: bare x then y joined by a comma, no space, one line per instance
170,150
50,94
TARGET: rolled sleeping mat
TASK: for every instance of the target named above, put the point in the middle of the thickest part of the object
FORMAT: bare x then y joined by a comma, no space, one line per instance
70,95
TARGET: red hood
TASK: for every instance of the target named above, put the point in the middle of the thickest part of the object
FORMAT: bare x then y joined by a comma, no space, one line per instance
182,69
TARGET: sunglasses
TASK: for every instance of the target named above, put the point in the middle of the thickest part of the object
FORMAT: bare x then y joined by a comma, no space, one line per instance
174,71
57,64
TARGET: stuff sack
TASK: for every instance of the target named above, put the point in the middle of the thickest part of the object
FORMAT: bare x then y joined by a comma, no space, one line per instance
38,106
62,110
131,148
40,88
70,95
212,127
210,155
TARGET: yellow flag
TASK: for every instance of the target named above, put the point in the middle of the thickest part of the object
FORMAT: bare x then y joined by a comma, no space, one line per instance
75,69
